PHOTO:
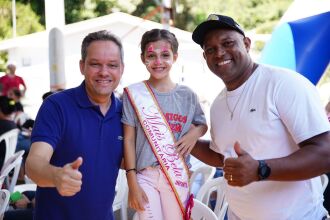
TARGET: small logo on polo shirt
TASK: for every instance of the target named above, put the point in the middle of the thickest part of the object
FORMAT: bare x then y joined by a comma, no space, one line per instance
120,138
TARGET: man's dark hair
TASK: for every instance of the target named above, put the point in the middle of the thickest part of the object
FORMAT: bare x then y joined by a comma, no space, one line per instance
7,105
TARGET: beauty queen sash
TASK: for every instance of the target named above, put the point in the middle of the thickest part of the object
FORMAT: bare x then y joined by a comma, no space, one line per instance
161,140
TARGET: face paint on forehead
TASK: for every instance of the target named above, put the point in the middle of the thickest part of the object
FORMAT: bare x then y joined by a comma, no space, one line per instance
150,48
165,49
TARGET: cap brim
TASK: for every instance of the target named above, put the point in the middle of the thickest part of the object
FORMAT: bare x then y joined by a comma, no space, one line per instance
202,29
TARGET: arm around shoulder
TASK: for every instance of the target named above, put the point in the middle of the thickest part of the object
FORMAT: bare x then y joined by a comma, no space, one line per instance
203,152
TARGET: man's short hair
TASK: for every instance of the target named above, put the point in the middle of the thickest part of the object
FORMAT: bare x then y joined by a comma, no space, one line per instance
100,36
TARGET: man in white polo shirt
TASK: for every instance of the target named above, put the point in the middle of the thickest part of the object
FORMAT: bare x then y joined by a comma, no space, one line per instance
269,131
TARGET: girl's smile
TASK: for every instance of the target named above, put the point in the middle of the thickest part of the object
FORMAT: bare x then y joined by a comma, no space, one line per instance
159,59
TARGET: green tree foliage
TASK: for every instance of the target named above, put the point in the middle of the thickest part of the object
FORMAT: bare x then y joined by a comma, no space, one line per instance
147,9
76,10
181,16
104,7
27,22
261,15
38,6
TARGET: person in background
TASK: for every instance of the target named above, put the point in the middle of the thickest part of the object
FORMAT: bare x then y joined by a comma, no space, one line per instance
23,208
77,138
20,116
24,143
46,94
11,80
7,109
24,137
160,109
269,130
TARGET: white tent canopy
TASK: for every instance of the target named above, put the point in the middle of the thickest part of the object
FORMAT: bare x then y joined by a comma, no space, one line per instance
31,54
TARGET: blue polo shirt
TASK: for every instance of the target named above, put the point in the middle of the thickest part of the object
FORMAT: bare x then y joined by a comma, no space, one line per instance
75,127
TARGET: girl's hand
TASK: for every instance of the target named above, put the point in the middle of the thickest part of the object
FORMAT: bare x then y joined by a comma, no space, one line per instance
185,144
137,199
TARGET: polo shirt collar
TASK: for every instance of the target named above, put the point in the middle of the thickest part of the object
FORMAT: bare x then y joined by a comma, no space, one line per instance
84,102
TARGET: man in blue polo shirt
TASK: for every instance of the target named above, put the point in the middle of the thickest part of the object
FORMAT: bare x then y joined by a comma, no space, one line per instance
77,142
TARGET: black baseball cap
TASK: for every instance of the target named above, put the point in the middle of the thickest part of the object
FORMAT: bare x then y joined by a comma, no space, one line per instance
214,21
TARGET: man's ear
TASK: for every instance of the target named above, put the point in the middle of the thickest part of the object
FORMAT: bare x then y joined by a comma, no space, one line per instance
204,55
122,68
247,43
81,66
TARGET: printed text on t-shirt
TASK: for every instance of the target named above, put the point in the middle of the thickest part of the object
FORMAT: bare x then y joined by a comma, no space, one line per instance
173,120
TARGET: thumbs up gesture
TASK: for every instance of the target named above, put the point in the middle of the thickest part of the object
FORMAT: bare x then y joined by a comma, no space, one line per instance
68,179
242,170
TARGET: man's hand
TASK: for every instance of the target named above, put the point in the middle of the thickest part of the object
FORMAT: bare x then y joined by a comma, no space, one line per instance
68,179
242,170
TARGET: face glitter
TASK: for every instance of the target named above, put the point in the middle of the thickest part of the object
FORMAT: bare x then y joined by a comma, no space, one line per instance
150,48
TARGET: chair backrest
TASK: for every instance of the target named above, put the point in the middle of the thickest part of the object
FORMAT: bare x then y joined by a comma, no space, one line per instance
13,163
10,139
324,181
204,194
202,211
200,176
25,187
27,179
120,201
199,212
4,201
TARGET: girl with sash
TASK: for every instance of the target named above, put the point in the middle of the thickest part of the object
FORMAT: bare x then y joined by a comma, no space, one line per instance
162,122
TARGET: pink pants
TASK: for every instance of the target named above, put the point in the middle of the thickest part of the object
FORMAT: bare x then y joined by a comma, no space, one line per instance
162,202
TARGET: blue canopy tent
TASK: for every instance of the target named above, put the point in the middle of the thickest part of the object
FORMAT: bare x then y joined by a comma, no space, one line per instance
302,45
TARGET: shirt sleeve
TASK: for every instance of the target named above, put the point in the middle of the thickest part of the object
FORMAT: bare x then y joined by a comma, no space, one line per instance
199,116
48,124
129,116
300,108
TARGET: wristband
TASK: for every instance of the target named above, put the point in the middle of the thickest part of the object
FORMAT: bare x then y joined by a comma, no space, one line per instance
133,169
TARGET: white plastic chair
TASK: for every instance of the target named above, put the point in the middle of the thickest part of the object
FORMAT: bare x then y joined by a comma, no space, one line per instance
10,139
324,181
120,201
25,187
199,212
200,176
27,179
13,163
4,201
214,185
202,211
